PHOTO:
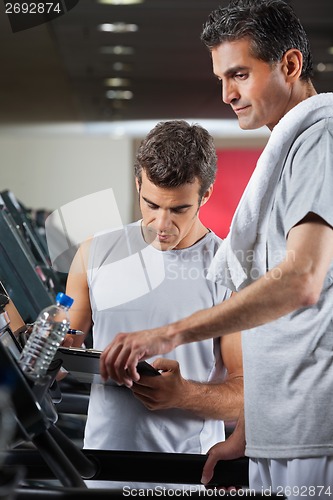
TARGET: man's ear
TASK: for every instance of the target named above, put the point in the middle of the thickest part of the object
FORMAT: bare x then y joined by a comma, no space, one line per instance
137,184
207,195
292,63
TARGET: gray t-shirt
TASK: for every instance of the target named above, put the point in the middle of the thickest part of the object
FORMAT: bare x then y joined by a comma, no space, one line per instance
288,363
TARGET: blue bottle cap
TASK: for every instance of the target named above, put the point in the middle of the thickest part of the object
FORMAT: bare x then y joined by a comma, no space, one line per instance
64,300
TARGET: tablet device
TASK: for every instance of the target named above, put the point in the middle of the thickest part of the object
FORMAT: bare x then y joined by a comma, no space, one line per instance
83,364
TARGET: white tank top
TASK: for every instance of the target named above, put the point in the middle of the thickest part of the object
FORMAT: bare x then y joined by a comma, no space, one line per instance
134,286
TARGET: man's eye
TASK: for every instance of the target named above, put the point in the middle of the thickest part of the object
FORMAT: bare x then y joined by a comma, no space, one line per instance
179,210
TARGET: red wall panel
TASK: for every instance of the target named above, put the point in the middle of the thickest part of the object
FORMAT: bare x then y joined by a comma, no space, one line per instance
234,170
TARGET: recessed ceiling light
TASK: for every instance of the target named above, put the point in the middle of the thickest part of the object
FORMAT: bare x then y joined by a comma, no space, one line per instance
330,50
117,82
120,66
118,27
120,2
324,67
117,50
119,94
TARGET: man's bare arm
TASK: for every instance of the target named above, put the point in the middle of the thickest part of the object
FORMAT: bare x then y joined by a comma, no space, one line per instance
295,283
77,288
216,400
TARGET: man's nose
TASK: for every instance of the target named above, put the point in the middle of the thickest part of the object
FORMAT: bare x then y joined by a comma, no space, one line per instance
229,92
163,220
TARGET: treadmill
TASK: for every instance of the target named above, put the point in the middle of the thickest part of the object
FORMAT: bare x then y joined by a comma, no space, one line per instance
52,466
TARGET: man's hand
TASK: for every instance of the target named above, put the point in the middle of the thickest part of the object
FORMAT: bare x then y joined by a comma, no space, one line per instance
120,357
68,341
233,447
164,392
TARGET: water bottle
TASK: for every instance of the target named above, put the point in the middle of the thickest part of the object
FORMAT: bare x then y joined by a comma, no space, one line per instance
48,332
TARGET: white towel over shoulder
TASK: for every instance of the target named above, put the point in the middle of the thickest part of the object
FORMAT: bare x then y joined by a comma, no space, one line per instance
241,258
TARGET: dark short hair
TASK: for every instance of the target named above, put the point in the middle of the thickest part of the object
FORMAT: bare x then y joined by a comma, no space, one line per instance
175,153
271,25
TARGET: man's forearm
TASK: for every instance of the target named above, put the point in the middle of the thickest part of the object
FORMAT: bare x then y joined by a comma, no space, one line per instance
219,401
261,302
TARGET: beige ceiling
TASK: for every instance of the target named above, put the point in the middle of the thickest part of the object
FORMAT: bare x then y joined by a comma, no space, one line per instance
55,72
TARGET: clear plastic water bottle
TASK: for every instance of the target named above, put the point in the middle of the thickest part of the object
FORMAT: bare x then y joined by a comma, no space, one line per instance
48,332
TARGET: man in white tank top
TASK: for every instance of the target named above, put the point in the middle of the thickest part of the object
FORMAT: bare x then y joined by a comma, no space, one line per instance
147,274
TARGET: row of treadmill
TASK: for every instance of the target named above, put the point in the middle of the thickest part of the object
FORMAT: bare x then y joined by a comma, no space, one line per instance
41,453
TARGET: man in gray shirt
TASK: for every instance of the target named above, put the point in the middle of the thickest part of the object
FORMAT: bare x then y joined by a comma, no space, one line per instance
278,256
